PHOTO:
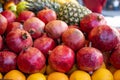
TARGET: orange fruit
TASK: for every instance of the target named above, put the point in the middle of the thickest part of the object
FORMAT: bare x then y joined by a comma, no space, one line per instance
15,75
49,69
57,76
80,75
8,5
1,76
116,75
102,74
36,76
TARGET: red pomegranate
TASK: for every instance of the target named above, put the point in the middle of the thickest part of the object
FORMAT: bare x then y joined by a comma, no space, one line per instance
55,28
31,60
47,15
1,42
115,57
34,26
90,21
89,59
7,61
3,24
9,15
104,37
14,26
44,44
24,15
18,40
62,58
73,38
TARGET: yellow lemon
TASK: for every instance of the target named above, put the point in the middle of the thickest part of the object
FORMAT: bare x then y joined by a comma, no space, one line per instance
80,75
1,76
36,76
116,75
57,76
103,65
102,74
15,75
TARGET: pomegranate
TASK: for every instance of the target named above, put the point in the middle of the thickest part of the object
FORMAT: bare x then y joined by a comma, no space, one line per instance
34,26
47,15
1,42
24,15
55,28
18,39
115,57
7,61
104,37
62,58
14,26
73,38
44,44
9,15
89,59
3,24
90,21
31,60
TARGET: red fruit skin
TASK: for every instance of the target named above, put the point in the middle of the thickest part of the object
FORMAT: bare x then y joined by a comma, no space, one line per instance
62,58
18,39
3,24
55,28
9,15
44,44
91,21
115,57
47,15
89,59
24,15
73,38
34,26
8,61
1,42
14,26
31,60
104,38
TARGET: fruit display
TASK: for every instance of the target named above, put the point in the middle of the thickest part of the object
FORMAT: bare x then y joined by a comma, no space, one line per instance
53,40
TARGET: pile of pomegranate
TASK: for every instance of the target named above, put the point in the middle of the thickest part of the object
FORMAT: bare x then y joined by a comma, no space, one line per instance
30,41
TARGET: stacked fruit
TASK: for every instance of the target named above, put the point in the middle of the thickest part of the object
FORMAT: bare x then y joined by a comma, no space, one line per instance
73,44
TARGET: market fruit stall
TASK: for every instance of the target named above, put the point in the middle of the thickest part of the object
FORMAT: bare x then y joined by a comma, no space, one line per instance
53,40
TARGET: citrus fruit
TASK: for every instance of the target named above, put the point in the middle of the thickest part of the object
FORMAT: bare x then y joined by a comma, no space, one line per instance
103,65
116,75
1,76
80,75
74,68
15,75
102,74
57,76
36,76
49,69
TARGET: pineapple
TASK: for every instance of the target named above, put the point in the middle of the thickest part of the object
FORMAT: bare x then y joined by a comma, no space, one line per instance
72,13
37,5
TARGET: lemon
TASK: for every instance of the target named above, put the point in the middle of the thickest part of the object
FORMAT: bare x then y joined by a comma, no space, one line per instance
103,65
21,6
80,75
57,76
15,75
102,74
116,75
1,76
36,76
